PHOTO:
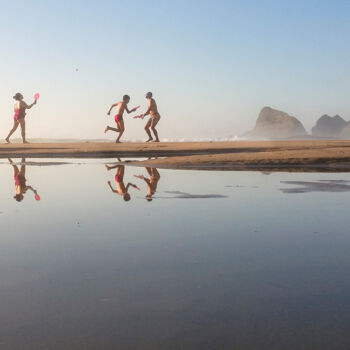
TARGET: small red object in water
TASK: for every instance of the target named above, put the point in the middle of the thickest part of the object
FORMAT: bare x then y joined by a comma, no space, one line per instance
37,197
36,96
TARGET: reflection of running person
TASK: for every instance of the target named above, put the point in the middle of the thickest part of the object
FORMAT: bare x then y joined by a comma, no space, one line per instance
119,179
152,110
121,107
18,118
20,181
152,182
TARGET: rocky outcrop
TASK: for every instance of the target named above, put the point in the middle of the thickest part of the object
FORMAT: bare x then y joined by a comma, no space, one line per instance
272,123
328,126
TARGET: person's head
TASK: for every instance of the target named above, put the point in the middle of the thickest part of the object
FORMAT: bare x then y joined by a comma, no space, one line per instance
18,197
149,95
18,97
126,197
126,98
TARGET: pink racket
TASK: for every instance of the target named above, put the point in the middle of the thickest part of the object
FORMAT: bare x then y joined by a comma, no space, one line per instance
138,116
36,96
37,197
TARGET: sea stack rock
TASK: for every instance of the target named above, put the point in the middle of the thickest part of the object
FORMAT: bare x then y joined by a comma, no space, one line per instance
328,126
272,123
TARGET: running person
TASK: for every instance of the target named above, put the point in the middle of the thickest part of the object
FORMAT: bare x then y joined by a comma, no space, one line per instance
18,118
121,107
152,110
122,190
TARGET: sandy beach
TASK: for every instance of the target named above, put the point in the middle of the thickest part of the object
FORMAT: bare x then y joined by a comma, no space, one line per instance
270,155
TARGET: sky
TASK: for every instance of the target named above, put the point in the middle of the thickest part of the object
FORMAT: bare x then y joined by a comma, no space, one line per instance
211,65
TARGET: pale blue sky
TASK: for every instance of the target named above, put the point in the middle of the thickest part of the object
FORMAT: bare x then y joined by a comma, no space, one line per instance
212,65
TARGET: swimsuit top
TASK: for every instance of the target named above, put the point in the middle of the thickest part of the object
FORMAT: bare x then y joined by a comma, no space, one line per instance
20,110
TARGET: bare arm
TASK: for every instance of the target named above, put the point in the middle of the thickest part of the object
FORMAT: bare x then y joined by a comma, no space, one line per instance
114,105
148,109
130,184
112,189
28,106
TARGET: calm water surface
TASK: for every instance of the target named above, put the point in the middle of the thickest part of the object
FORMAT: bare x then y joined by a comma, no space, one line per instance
194,260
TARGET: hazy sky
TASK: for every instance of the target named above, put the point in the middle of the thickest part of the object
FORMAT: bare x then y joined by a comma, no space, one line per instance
212,65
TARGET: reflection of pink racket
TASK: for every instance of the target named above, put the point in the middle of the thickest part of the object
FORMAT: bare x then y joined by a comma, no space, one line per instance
36,96
138,116
136,187
37,197
139,177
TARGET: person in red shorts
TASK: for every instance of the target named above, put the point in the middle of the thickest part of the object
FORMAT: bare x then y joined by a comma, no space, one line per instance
121,107
121,189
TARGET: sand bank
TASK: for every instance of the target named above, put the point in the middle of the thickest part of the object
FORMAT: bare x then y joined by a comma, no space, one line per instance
270,155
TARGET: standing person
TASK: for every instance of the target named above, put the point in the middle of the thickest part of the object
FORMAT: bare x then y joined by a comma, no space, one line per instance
152,110
121,107
18,118
151,183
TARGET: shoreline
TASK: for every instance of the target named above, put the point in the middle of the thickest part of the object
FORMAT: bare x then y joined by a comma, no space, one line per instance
309,155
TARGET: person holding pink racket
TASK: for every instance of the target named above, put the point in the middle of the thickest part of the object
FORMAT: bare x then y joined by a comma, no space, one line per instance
20,113
20,181
121,107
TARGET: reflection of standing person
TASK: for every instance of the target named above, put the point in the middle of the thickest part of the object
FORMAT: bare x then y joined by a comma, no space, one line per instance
121,107
122,190
18,118
152,182
20,181
152,110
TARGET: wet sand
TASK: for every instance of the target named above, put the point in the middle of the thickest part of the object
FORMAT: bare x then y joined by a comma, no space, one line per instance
258,155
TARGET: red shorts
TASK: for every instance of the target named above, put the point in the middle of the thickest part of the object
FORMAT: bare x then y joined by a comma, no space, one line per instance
118,118
117,178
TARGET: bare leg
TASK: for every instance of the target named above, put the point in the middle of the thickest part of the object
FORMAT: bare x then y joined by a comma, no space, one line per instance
14,128
23,130
153,127
110,128
148,125
120,125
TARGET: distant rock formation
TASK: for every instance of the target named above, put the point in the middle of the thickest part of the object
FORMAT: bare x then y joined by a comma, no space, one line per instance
328,126
272,123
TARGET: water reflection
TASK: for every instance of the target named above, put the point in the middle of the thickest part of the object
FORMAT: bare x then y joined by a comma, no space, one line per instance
151,182
21,186
121,189
317,186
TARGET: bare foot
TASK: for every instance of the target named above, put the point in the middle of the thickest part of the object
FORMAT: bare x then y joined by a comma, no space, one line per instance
7,140
107,128
156,141
149,140
25,142
118,141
